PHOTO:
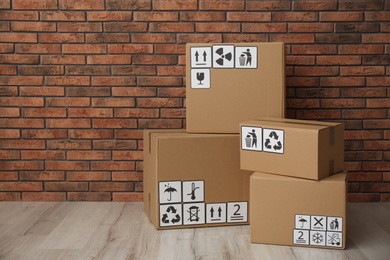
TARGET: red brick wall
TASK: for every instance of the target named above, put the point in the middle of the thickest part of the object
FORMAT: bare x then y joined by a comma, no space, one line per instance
79,80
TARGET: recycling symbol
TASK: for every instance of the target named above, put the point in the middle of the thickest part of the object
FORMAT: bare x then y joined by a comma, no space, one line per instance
274,142
170,216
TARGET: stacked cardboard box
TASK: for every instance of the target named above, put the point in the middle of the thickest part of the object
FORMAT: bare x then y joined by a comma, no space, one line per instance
193,178
298,190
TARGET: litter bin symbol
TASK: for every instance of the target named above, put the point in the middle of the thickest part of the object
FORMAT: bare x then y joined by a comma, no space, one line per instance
242,59
248,141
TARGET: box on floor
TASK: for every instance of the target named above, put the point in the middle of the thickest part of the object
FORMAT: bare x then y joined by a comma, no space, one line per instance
194,180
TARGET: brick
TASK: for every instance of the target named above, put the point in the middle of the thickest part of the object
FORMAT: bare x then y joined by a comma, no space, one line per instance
38,49
9,196
43,155
133,92
9,133
352,124
6,48
109,16
21,123
90,112
43,112
357,27
22,101
155,60
21,186
376,38
63,59
339,60
113,102
87,70
84,48
8,176
160,123
33,27
363,134
127,155
378,103
353,145
171,27
314,49
173,113
341,16
384,197
340,38
41,91
134,70
125,27
385,27
89,196
156,16
7,70
377,16
294,16
114,123
9,91
136,113
113,81
260,27
260,5
386,176
310,27
387,136
62,16
364,113
129,5
19,59
376,59
362,71
5,4
41,70
377,145
318,114
5,26
292,38
66,186
112,186
233,27
215,16
42,175
43,196
107,38
19,37
112,166
242,17
66,166
68,123
376,124
317,93
171,71
300,60
69,144
199,38
303,103
361,5
363,92
21,80
21,165
160,81
154,38
175,5
378,81
375,187
67,80
34,5
315,5
18,15
127,176
9,112
88,92
317,71
130,48
352,166
88,176
112,59
115,144
170,49
159,102
363,197
128,196
91,134
81,27
67,102
129,134
61,37
9,155
361,49
82,5
45,134
88,155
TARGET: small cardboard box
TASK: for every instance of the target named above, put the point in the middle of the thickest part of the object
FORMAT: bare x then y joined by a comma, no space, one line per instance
194,180
297,148
292,211
230,83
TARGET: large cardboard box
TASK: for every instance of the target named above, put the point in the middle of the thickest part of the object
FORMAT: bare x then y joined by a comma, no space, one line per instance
296,148
292,211
194,180
230,83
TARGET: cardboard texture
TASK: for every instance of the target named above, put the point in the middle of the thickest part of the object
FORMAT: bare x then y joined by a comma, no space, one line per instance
194,180
297,148
230,83
292,211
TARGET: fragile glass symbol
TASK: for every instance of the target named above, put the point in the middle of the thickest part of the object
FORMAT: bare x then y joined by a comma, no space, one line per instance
200,77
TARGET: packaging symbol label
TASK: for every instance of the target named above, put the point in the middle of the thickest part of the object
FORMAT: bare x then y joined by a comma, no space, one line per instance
201,57
246,57
237,211
169,192
334,239
170,215
216,213
223,56
318,238
301,237
302,221
193,213
273,140
251,138
318,222
193,191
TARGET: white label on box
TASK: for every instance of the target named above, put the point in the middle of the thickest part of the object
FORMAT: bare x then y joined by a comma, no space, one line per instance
193,191
335,224
251,138
223,56
334,239
200,57
170,215
302,221
237,211
216,213
246,57
318,222
193,213
273,140
317,238
169,192
200,78
301,237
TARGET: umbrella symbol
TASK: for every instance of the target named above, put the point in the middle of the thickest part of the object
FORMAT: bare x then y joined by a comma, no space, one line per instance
303,221
170,190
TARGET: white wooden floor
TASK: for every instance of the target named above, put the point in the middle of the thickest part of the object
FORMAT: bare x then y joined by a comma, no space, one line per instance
115,230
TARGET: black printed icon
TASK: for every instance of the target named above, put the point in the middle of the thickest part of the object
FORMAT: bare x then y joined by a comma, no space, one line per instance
277,145
251,139
334,224
223,56
200,77
317,238
334,239
197,60
245,58
170,190
218,214
318,222
194,214
273,140
193,189
301,238
237,214
171,216
302,222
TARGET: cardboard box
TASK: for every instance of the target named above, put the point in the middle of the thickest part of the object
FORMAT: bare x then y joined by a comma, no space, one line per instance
194,180
296,148
298,212
230,83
